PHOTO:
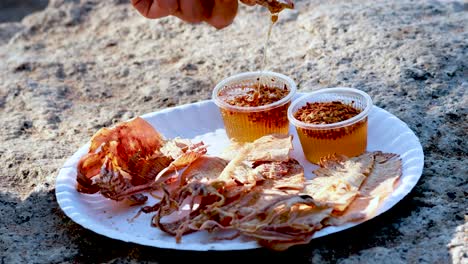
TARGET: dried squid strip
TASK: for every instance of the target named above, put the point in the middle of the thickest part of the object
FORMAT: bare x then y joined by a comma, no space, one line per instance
379,184
337,182
289,220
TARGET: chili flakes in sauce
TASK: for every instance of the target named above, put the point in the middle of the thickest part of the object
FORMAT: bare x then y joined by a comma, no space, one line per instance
325,112
253,95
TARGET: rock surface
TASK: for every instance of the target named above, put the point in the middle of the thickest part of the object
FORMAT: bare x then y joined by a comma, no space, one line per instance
80,65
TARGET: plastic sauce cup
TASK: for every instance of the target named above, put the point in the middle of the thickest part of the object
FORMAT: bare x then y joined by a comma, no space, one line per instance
248,123
348,137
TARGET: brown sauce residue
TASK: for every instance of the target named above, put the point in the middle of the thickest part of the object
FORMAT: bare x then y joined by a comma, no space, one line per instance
325,112
253,95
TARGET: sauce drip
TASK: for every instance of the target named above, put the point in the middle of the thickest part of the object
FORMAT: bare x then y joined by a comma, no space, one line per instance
275,7
274,18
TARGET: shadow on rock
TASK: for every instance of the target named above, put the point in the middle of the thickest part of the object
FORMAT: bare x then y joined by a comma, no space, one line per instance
15,10
36,230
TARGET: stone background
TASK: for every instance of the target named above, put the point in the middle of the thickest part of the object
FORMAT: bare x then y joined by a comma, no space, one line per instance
75,66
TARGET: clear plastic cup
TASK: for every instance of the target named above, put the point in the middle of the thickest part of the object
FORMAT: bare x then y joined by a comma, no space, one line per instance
247,123
348,137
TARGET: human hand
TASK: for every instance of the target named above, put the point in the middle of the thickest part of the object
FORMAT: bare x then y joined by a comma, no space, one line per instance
218,13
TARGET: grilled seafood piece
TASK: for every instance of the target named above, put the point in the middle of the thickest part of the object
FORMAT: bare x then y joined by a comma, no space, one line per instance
378,185
199,191
284,221
127,145
130,158
220,195
338,180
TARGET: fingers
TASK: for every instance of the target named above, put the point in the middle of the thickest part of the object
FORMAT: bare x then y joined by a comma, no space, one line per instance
170,5
190,11
223,13
155,8
218,13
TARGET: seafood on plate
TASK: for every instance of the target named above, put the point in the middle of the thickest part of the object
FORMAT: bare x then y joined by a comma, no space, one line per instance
258,191
254,189
130,158
378,185
215,187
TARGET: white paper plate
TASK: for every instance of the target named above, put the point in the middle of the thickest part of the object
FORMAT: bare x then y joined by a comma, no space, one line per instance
202,121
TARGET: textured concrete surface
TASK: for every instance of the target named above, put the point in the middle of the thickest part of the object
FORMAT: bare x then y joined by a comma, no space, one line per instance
80,65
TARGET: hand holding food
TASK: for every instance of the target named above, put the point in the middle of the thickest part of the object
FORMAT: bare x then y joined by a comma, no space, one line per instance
218,13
